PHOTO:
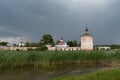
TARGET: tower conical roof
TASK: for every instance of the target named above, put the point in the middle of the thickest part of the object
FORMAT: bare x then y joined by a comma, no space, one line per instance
86,29
86,33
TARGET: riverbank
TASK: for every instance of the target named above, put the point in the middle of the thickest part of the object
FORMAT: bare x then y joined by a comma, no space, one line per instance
104,74
12,59
40,73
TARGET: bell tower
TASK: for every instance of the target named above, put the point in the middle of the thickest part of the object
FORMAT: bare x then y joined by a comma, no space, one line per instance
86,40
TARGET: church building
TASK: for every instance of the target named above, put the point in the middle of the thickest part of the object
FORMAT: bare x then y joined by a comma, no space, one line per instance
61,44
86,40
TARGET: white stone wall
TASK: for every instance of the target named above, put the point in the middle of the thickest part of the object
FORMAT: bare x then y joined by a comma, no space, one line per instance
64,48
49,48
15,48
104,47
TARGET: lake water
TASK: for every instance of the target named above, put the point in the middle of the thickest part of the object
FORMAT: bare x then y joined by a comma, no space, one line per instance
33,73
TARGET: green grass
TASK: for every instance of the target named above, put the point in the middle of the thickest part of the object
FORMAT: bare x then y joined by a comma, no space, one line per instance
36,58
108,74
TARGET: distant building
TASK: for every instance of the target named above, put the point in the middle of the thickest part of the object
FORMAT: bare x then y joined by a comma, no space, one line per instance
21,44
61,44
86,40
102,47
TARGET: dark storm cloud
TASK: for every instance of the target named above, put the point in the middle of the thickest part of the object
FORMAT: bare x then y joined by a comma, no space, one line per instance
30,19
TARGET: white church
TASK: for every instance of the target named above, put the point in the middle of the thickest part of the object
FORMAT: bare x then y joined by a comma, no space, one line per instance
61,43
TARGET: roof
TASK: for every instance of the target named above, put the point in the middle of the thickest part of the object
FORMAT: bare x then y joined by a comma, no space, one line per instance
86,33
86,29
61,42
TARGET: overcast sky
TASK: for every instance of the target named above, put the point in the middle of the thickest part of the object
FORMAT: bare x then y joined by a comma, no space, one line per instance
28,20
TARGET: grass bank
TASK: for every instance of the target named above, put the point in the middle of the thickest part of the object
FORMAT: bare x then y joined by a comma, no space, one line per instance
107,74
9,59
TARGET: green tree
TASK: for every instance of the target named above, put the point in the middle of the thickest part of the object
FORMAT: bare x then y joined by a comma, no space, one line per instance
3,43
31,44
34,44
75,43
16,45
47,39
43,48
115,46
72,43
27,44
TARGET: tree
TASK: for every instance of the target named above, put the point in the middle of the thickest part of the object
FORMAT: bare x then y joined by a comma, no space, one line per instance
15,45
43,48
27,44
3,43
115,46
47,39
31,44
75,43
72,43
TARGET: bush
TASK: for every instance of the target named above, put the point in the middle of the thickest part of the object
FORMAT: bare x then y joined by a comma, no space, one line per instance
30,49
43,48
17,49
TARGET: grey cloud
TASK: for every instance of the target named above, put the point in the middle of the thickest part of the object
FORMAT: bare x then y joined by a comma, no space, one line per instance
61,18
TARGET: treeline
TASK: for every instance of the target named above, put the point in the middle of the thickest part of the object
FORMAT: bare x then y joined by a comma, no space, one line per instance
112,46
72,43
3,43
41,45
47,39
115,46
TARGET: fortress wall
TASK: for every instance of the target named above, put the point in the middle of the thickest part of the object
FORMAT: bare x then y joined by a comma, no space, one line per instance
49,48
15,48
64,49
4,48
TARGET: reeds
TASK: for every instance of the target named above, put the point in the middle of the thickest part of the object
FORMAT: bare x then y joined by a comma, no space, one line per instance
48,58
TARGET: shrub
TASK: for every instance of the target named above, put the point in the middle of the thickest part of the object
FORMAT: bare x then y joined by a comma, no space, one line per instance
43,48
17,49
30,49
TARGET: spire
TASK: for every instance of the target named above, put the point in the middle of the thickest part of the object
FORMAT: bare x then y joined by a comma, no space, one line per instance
61,38
86,29
86,33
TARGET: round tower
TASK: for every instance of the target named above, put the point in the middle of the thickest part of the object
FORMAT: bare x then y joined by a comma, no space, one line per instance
86,40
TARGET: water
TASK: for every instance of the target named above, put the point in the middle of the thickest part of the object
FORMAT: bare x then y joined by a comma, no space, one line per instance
32,73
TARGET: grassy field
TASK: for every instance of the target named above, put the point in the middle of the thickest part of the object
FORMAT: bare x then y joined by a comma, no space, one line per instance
107,74
36,58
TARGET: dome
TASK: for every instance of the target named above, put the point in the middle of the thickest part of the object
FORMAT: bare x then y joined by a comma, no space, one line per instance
86,33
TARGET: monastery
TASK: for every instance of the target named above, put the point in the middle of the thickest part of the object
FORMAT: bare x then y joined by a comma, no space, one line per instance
86,41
